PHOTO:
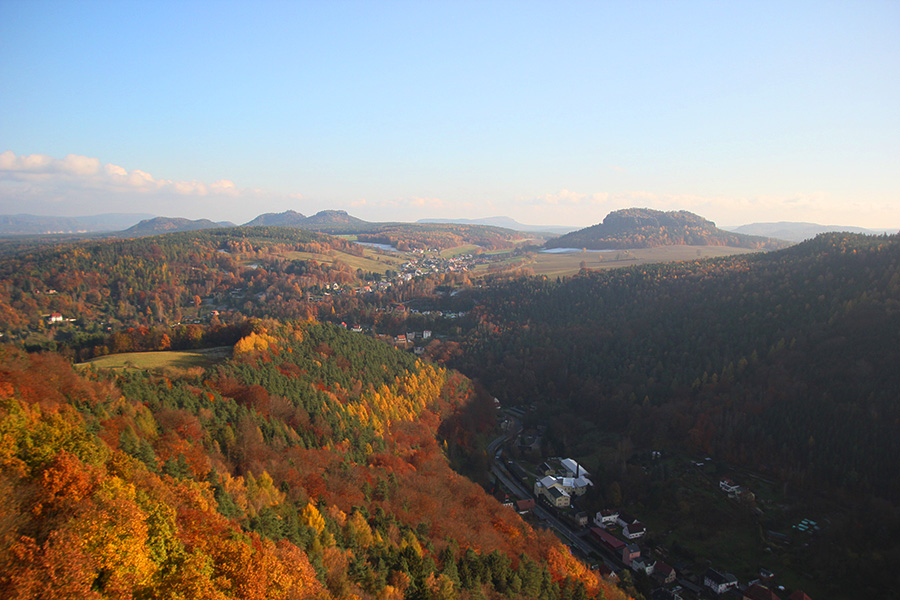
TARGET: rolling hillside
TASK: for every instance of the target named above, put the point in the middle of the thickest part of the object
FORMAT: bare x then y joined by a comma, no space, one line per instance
307,467
159,225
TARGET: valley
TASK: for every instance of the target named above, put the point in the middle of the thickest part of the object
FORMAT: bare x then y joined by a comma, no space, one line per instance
667,372
449,301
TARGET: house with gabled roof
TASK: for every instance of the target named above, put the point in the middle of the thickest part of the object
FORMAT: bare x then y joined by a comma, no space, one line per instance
630,552
558,498
643,564
573,469
608,540
634,530
719,582
552,492
664,572
604,518
524,506
571,485
606,573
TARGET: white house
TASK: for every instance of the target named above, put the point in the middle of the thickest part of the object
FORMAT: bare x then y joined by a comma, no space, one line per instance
605,518
634,530
643,564
718,582
728,486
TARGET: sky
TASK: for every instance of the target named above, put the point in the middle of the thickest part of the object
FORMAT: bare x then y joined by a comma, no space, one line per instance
552,113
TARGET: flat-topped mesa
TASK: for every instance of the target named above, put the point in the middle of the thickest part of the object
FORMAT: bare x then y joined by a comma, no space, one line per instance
648,228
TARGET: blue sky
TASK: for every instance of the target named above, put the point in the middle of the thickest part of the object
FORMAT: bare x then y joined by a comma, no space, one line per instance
550,113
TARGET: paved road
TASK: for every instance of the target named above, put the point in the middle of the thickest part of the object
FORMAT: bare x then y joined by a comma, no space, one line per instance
514,485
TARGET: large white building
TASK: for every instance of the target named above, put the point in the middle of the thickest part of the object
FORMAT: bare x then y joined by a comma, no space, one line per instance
572,468
573,483
552,491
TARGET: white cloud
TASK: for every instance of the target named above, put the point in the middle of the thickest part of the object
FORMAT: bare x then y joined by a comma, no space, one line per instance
115,170
80,165
566,197
224,186
79,185
426,202
82,172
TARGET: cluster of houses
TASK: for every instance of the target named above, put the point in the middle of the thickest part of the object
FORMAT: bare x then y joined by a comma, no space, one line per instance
620,535
423,266
629,551
558,485
713,583
409,336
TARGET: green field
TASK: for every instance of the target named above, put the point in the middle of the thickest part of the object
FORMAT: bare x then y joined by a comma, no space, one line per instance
563,264
185,359
464,249
370,261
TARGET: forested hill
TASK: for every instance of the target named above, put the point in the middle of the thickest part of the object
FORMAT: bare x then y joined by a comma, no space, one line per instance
305,467
329,221
405,236
160,225
647,228
160,280
784,361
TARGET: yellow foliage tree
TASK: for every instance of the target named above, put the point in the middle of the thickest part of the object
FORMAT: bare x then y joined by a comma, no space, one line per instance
312,518
253,343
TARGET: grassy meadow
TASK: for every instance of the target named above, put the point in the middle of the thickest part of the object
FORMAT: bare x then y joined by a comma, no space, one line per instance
457,251
185,359
562,264
371,261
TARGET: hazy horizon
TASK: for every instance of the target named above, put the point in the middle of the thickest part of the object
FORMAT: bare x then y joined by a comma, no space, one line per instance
550,115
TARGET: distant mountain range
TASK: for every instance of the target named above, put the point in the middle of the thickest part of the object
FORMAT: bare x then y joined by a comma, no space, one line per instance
25,224
506,223
631,228
647,228
798,232
328,221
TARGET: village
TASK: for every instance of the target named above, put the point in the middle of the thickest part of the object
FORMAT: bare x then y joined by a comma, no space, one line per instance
613,541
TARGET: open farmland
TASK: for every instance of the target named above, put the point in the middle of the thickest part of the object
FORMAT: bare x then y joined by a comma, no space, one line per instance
458,250
185,359
568,263
371,261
